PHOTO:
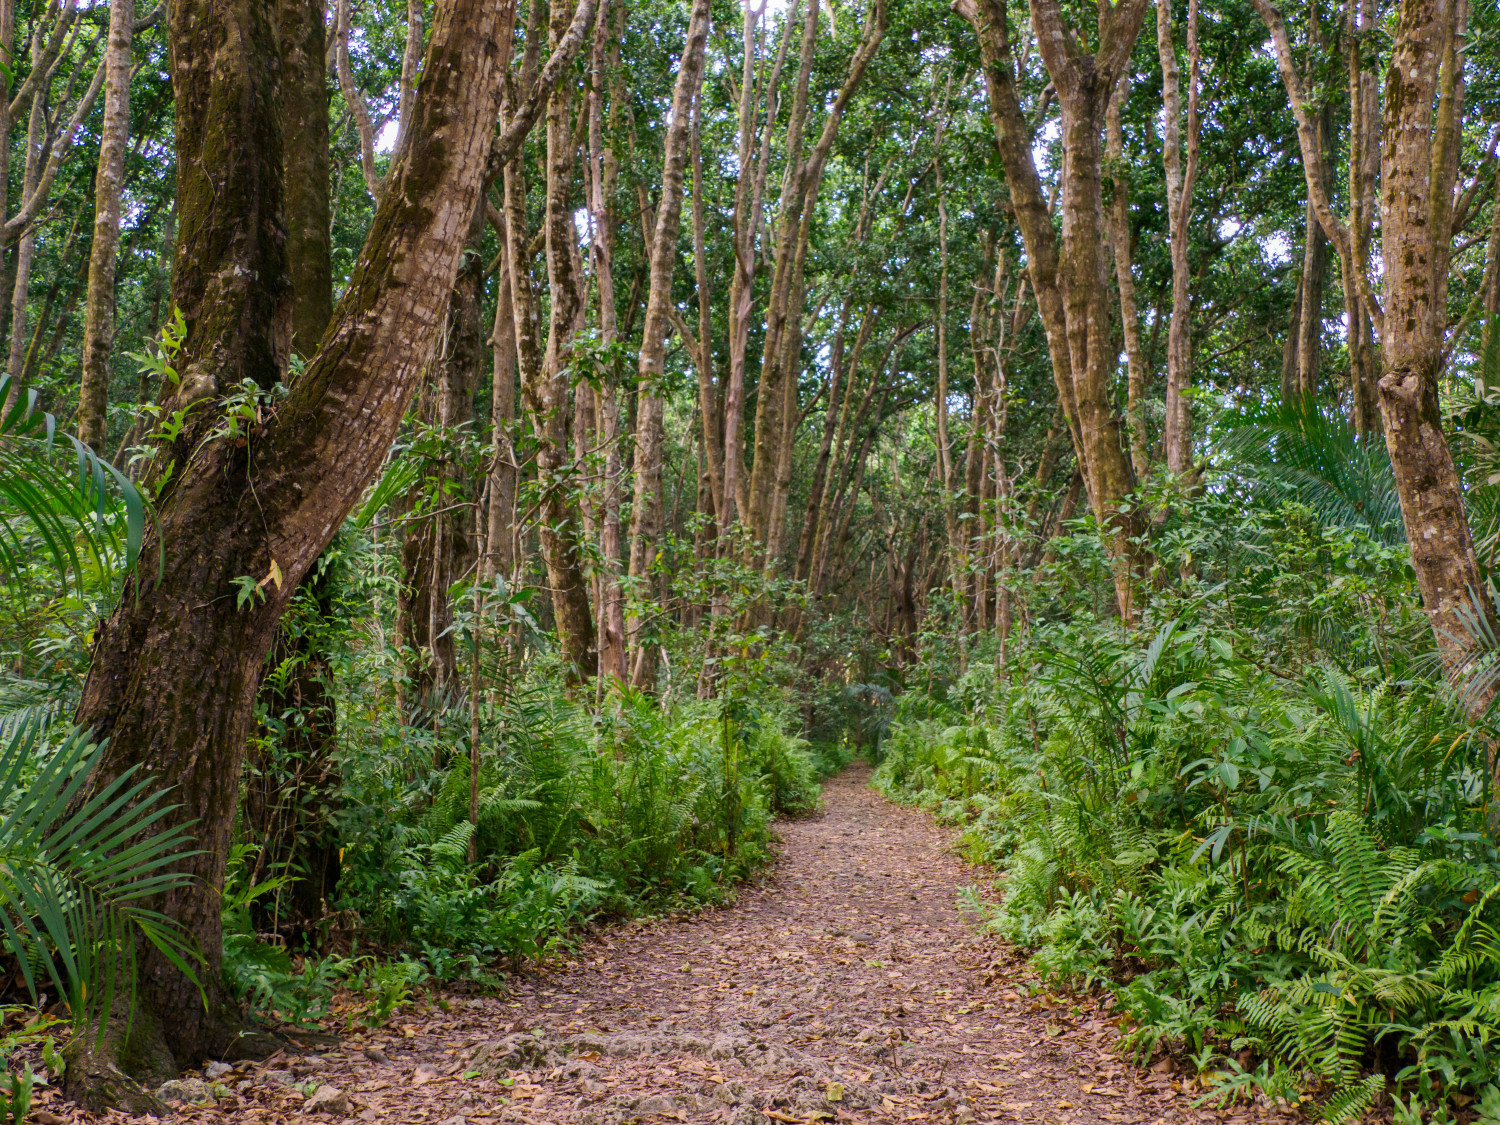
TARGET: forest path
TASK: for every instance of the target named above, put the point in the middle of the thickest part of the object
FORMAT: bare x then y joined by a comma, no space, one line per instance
848,986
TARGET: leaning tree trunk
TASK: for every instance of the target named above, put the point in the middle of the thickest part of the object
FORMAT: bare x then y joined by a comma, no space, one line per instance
177,664
1070,282
109,179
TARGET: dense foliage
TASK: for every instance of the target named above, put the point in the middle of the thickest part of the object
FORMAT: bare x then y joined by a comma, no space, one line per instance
474,538
1256,820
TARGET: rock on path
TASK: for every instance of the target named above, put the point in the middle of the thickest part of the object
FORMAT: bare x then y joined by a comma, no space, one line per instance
848,987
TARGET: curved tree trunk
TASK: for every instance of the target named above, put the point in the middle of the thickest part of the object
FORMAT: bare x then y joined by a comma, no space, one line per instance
1418,168
1070,282
176,666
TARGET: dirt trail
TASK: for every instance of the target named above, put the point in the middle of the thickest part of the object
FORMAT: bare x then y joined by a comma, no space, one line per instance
847,987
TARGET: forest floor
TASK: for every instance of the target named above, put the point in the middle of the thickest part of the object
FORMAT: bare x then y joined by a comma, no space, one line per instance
848,986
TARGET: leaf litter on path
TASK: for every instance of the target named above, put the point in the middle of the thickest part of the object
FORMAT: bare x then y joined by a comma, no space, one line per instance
848,986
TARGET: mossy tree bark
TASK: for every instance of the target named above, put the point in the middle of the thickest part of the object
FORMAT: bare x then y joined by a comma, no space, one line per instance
292,796
1419,164
177,664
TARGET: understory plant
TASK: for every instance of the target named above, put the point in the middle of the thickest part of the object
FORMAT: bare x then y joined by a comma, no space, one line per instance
1256,819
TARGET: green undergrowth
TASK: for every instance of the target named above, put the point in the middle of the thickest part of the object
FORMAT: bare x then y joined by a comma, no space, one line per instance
1281,874
582,818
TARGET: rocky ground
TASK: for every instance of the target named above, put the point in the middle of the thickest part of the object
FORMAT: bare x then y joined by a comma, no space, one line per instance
848,987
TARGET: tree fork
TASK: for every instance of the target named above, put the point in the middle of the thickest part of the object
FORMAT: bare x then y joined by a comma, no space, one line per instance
177,664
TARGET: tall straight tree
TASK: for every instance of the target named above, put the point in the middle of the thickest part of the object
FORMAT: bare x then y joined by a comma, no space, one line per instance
109,182
604,169
1182,173
644,529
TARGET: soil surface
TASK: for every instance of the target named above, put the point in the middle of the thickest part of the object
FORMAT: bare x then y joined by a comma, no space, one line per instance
848,986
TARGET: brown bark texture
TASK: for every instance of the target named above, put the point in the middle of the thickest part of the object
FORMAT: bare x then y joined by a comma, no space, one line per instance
1070,282
1418,169
177,664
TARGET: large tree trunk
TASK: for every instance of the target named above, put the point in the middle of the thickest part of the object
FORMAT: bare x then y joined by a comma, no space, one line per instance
177,664
304,117
1418,169
109,180
290,805
644,526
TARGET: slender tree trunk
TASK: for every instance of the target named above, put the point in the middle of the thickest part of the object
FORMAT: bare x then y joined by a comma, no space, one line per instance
545,376
603,176
840,375
749,187
176,666
769,477
458,368
644,526
1309,324
958,555
770,395
500,539
710,405
1364,171
1120,243
36,128
1491,284
8,52
1306,344
1180,174
109,181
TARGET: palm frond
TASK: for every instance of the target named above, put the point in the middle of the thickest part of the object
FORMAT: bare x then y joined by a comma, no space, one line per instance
45,509
1299,452
77,873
